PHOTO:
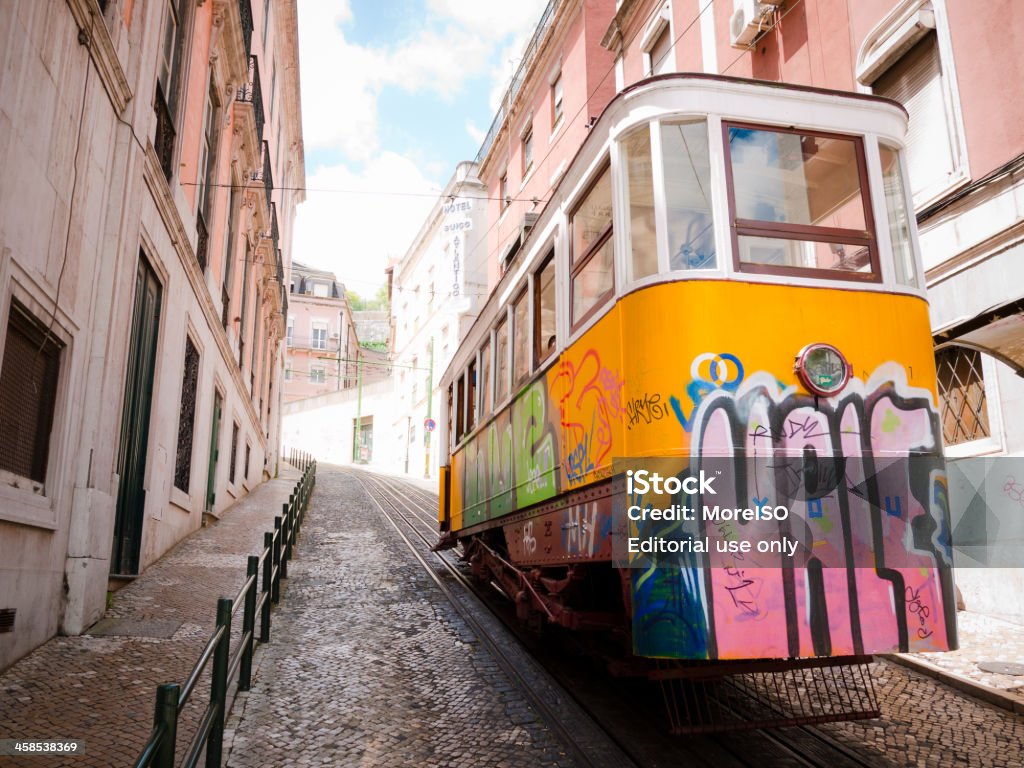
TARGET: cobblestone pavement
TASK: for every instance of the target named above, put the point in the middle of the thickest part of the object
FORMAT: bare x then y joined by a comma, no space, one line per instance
370,665
926,723
101,689
984,639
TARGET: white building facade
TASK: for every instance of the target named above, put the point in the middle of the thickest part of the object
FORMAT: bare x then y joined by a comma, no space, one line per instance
437,290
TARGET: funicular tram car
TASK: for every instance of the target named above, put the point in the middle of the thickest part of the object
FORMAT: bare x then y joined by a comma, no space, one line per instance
727,268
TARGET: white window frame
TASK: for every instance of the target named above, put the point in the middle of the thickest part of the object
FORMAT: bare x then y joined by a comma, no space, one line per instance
527,138
661,21
314,326
884,46
995,442
557,83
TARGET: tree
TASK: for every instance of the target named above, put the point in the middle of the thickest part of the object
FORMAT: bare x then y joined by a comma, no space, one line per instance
358,304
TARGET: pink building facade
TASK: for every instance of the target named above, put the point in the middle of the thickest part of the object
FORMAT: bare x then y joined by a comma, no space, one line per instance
323,347
150,150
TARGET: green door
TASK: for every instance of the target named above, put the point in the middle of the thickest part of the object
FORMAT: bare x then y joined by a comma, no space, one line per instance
138,396
211,475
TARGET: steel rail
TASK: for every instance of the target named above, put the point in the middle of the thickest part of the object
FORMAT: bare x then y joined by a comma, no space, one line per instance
551,717
734,744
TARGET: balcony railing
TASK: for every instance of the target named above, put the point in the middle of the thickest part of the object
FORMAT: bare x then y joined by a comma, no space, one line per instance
265,175
252,93
274,231
519,78
245,11
280,282
163,143
202,241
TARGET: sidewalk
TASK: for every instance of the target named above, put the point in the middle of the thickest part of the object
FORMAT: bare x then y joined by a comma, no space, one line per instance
983,639
100,687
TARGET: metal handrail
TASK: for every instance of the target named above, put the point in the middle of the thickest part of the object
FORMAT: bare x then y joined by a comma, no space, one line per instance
171,698
197,670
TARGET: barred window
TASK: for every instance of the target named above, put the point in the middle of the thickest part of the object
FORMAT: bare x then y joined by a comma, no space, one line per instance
28,394
234,452
187,417
248,455
961,395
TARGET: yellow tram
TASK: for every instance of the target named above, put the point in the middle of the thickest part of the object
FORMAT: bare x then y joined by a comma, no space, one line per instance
728,268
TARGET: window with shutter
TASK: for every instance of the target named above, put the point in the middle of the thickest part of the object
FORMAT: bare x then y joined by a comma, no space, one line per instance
28,394
661,53
916,82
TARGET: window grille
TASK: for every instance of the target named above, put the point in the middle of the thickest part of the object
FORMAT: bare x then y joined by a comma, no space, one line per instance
187,417
961,395
28,394
234,452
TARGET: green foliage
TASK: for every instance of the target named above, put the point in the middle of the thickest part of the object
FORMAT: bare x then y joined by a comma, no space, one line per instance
358,303
379,346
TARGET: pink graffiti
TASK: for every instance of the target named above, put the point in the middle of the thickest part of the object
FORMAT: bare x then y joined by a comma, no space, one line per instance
589,400
778,426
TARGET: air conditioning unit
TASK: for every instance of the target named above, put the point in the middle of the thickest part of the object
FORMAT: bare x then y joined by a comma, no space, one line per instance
748,21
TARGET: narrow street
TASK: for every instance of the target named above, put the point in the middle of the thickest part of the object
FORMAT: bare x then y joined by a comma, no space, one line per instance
372,664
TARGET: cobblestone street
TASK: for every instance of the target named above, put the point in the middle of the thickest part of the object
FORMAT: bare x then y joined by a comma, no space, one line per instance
370,665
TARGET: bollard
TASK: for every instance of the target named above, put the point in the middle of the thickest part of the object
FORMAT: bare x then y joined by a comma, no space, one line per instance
219,685
166,714
276,587
249,624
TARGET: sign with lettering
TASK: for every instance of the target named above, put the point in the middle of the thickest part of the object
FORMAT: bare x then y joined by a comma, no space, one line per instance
455,224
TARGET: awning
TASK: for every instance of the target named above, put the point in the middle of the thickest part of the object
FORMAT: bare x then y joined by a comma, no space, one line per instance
998,332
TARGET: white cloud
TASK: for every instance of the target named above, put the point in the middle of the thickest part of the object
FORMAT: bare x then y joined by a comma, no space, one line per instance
341,81
476,134
353,232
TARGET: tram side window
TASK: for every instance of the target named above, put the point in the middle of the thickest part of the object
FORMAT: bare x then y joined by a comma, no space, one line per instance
485,380
520,338
643,242
544,336
471,399
450,435
592,249
460,409
501,361
800,204
899,215
687,164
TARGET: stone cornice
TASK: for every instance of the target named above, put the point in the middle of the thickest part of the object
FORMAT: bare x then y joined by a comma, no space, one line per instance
101,50
229,43
287,55
161,194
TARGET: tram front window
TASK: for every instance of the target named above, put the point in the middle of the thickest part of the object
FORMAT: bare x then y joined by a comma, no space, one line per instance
899,215
799,202
691,230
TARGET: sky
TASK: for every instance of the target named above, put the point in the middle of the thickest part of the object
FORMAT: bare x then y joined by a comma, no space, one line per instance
394,94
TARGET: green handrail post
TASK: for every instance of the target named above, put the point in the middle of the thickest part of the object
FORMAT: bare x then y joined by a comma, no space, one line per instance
268,566
166,714
249,624
285,536
219,685
276,591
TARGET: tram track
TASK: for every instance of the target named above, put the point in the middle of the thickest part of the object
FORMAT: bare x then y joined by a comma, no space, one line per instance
584,739
631,731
